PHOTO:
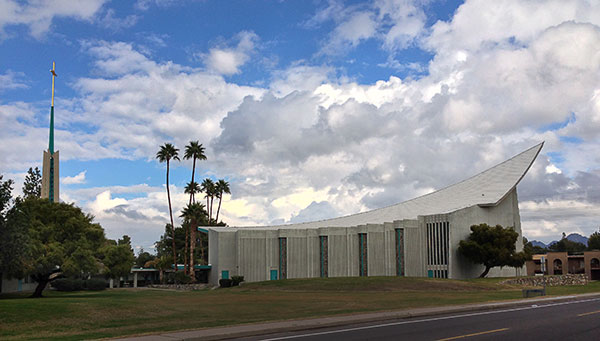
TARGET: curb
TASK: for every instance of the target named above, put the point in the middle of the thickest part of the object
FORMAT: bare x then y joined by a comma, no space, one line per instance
245,330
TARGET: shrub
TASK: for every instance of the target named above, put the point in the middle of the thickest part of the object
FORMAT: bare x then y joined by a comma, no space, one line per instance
95,284
181,278
236,280
68,284
225,283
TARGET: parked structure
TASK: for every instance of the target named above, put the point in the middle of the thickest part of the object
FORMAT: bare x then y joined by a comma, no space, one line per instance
560,263
417,238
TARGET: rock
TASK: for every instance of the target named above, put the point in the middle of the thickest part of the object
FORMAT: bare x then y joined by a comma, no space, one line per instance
551,281
184,287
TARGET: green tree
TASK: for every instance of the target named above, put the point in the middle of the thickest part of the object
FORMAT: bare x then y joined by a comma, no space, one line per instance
221,187
194,151
117,257
193,214
492,246
33,183
5,194
594,241
565,245
208,187
11,237
191,188
41,238
143,258
167,153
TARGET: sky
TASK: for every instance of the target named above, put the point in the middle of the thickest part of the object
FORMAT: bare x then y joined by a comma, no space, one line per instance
309,109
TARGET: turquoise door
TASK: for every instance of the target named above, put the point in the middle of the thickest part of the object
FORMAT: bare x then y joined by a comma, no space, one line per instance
225,274
430,273
273,275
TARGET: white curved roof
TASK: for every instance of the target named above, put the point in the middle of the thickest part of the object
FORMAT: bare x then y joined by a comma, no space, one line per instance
487,188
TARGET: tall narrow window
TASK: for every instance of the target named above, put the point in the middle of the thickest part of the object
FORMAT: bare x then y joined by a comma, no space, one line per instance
399,252
324,256
282,258
438,248
363,261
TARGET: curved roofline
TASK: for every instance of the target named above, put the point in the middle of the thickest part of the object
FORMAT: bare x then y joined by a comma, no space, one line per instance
513,169
539,147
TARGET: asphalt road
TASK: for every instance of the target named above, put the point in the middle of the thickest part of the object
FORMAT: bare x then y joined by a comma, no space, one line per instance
573,320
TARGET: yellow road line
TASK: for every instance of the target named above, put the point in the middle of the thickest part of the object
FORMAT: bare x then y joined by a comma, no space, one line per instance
474,334
590,313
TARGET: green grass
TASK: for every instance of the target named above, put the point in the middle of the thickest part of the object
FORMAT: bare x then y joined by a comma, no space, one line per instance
121,312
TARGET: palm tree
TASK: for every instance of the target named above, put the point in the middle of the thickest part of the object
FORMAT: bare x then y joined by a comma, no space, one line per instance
192,188
194,151
193,214
222,186
167,153
208,187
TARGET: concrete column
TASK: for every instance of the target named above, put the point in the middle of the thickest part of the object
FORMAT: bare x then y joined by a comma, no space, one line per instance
135,274
110,283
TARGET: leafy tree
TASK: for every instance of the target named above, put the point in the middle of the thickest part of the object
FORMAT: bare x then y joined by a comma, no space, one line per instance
594,241
5,194
167,153
492,246
221,187
11,237
143,258
41,238
164,246
33,183
117,257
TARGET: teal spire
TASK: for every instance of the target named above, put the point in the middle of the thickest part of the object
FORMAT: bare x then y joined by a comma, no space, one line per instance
51,139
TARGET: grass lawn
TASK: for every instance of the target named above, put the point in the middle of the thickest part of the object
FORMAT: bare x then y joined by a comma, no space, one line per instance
121,312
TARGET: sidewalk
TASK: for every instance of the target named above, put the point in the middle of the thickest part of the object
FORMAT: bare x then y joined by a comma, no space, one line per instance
221,333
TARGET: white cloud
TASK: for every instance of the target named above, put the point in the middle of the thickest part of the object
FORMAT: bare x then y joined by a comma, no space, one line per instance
77,179
109,20
395,23
228,60
309,139
10,80
38,15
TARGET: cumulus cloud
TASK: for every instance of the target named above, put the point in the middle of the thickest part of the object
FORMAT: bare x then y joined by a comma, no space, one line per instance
228,60
77,179
315,211
38,15
310,145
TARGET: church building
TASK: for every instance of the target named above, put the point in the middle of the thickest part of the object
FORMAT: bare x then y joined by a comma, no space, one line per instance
417,238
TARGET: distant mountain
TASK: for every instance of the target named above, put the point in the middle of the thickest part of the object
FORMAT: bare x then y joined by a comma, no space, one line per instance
574,237
538,243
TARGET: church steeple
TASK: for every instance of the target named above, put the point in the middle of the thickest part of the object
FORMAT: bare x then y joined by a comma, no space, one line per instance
50,178
51,139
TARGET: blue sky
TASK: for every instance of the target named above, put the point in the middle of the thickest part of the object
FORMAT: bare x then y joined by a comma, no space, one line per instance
310,109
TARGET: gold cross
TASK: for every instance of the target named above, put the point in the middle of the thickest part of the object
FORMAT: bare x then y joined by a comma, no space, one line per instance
53,75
